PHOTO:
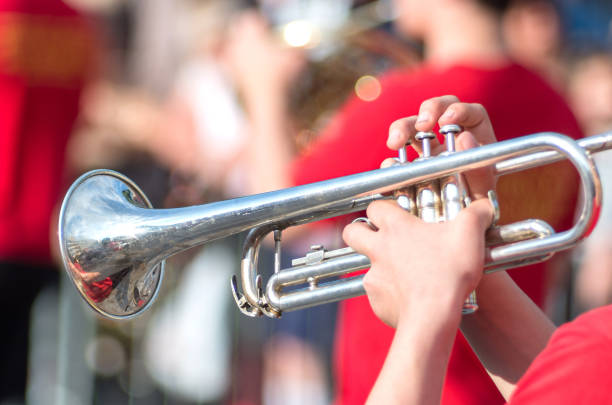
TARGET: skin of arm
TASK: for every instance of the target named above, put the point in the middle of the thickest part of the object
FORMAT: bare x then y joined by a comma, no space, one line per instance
263,70
413,372
406,290
507,332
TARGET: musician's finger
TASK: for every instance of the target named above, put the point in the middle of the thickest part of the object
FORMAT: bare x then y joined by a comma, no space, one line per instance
435,146
479,214
438,149
401,132
358,235
431,110
479,181
384,214
388,162
472,117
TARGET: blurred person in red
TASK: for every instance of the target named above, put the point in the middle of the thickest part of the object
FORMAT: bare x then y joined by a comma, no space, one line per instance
45,54
464,55
533,36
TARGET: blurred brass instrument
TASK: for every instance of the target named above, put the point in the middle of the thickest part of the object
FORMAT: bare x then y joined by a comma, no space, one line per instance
337,58
114,245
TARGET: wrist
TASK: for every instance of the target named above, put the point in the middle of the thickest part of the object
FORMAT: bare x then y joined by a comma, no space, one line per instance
438,308
439,315
415,366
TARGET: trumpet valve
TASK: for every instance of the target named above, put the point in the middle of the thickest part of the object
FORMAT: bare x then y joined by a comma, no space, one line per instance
452,197
450,131
425,139
405,196
428,201
402,154
405,199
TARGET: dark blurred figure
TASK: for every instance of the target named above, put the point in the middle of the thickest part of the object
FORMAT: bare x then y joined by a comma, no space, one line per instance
587,24
534,37
45,54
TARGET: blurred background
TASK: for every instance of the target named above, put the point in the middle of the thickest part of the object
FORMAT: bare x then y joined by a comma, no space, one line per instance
148,88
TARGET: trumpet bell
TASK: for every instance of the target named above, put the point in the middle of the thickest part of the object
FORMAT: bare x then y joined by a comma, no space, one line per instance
99,220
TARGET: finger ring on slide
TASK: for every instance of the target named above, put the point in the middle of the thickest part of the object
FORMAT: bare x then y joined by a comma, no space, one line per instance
367,221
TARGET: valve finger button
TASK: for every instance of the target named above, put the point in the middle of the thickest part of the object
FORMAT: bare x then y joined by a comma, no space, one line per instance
453,128
425,139
402,155
450,131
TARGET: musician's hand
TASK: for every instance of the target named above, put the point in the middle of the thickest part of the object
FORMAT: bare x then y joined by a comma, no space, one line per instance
420,268
424,267
259,63
442,110
477,130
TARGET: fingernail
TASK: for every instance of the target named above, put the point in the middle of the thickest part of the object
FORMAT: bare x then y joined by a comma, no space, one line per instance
423,117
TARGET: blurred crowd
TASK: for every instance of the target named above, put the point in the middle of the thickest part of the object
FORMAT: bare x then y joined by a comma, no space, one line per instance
177,95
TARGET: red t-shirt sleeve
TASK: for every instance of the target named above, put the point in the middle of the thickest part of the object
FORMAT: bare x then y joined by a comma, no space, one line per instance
575,367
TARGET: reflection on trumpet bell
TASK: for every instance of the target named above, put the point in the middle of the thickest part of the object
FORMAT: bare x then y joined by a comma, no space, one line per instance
113,244
102,219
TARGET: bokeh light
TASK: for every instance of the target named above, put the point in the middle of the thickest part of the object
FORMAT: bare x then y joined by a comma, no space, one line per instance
300,34
105,355
368,88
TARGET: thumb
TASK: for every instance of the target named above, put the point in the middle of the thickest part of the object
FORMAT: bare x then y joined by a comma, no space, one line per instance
479,181
480,213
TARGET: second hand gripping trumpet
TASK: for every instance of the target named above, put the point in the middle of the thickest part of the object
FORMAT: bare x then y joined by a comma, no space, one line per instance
114,245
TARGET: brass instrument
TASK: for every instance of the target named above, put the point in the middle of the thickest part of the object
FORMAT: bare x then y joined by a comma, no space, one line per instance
114,245
338,55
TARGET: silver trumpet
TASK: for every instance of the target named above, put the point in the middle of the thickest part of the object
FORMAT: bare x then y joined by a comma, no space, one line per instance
114,245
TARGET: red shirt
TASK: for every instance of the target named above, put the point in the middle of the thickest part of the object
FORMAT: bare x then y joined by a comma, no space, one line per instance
574,368
45,52
519,103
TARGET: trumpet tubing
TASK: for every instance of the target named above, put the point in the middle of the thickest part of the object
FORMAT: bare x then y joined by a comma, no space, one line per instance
113,244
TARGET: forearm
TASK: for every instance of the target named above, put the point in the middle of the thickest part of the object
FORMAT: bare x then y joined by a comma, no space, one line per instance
270,150
414,370
507,332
